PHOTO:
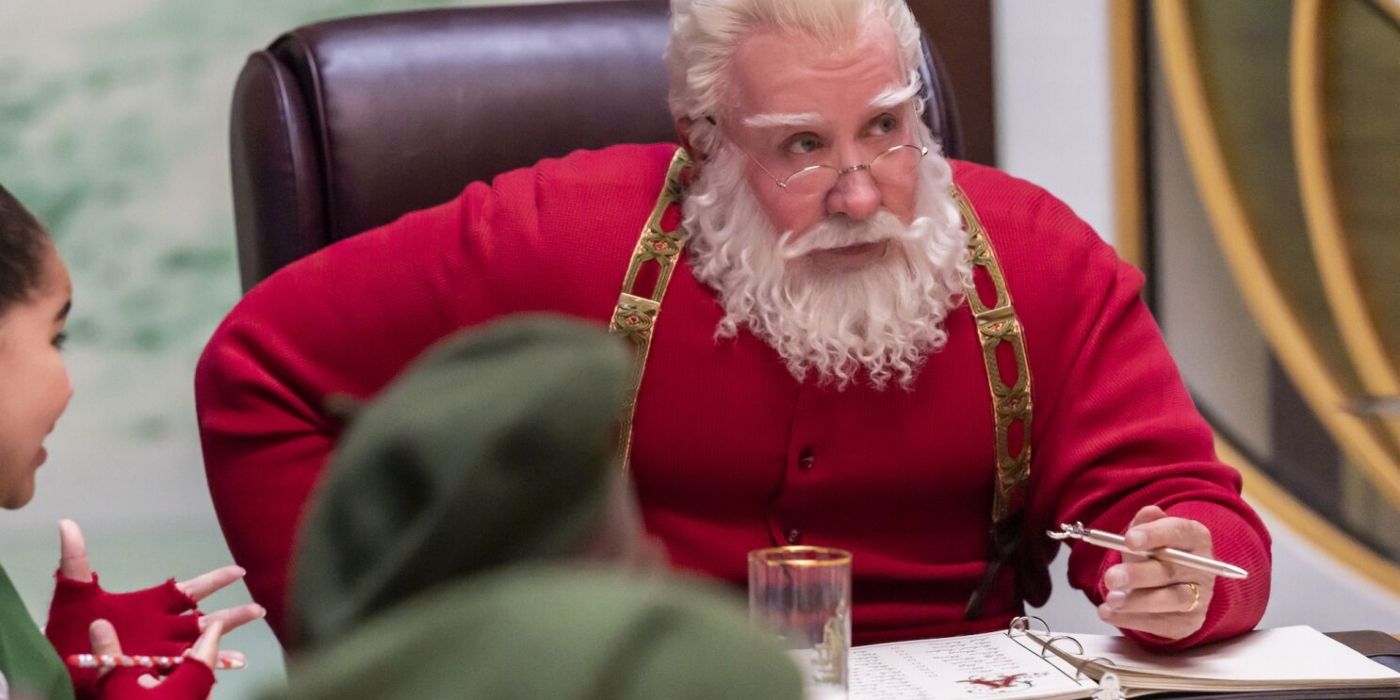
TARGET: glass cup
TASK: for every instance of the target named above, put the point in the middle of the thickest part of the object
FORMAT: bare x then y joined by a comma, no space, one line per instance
802,596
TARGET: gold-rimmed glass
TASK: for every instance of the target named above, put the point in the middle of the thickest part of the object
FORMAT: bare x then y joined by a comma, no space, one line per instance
802,596
892,166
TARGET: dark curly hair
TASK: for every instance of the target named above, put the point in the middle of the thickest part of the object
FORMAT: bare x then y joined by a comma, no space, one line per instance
22,242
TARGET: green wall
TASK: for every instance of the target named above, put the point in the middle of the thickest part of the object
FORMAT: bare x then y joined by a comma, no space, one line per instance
114,129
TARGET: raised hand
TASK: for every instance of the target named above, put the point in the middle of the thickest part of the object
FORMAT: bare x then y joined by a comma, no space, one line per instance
1155,596
163,620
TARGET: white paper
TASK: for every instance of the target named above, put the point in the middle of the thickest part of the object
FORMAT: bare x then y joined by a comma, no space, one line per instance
991,665
1285,654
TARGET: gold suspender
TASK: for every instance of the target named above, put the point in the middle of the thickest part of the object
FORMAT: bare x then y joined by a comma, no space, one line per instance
635,317
1010,404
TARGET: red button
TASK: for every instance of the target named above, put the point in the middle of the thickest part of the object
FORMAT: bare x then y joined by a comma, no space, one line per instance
806,461
794,535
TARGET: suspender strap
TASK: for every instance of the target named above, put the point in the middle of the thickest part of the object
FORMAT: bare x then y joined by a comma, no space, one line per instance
997,324
635,316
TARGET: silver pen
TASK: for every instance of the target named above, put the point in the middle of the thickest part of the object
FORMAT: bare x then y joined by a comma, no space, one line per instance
1099,538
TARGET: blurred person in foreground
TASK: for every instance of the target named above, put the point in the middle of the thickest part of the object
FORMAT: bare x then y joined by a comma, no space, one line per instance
864,345
36,296
484,544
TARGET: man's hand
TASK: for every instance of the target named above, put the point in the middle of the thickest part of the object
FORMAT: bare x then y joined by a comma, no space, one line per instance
1154,596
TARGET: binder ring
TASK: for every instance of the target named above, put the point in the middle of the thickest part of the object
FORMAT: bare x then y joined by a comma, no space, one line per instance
1102,660
1023,624
1045,646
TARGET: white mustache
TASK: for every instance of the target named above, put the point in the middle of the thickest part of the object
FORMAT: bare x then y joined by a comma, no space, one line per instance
842,233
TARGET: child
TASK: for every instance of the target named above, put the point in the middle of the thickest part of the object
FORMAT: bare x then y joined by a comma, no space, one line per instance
476,519
35,298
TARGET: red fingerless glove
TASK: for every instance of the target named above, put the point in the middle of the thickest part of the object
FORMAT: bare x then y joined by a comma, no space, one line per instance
192,680
156,621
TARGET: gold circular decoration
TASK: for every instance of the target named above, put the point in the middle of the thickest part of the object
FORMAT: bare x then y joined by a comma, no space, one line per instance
1326,384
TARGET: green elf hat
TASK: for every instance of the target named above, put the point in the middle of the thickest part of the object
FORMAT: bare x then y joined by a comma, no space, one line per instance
562,633
495,446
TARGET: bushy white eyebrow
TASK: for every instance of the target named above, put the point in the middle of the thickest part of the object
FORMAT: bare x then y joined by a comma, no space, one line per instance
895,96
768,121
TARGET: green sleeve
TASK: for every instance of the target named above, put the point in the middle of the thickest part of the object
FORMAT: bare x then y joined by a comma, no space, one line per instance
30,665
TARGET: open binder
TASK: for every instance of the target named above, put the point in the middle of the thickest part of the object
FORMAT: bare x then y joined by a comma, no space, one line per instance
1030,662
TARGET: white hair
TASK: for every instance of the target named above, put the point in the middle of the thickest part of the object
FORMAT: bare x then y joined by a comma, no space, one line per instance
884,318
704,34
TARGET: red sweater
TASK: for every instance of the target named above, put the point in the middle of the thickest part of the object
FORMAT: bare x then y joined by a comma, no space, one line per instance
730,452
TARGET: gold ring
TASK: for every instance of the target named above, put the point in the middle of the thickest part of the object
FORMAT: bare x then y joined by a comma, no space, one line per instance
1195,595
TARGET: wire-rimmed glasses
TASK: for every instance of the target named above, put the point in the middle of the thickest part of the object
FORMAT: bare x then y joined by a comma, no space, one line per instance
891,166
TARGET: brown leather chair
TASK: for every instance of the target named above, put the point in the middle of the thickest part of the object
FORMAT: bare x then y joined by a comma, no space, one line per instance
345,125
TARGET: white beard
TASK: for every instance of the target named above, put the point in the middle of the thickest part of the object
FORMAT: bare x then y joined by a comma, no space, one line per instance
885,317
